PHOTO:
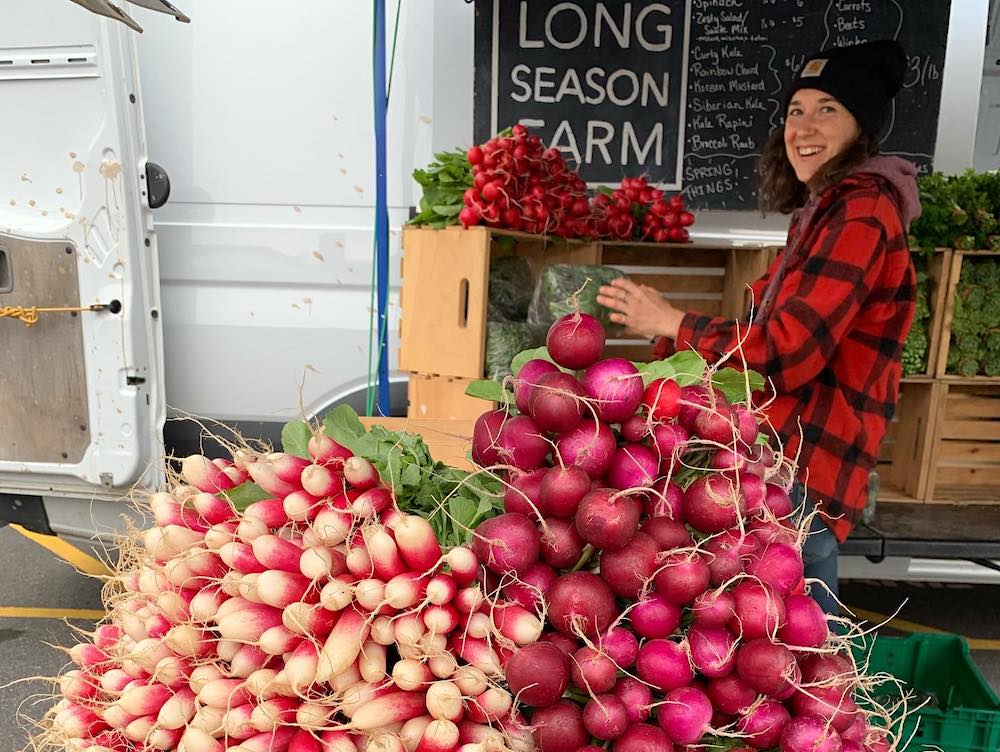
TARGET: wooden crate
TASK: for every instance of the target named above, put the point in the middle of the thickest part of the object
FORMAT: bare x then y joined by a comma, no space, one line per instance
436,397
966,452
697,277
938,272
944,338
905,455
446,287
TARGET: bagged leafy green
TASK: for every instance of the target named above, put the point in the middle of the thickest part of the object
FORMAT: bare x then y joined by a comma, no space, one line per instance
510,289
504,340
559,282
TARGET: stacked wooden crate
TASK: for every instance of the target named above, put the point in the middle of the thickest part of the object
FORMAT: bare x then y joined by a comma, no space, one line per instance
944,444
446,288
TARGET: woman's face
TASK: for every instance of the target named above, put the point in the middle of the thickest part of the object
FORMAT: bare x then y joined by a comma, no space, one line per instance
817,128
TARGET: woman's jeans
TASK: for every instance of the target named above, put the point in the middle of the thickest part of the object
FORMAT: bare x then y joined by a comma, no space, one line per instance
819,554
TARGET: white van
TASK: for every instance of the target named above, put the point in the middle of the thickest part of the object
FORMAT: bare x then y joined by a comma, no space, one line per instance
245,297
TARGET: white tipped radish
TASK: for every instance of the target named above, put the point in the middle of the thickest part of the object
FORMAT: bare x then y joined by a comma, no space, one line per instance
202,675
278,640
205,605
116,717
411,675
321,481
405,590
300,668
418,545
197,740
440,736
239,556
230,584
77,722
313,715
517,624
372,662
219,535
89,656
176,604
269,741
188,641
140,729
390,518
250,528
324,450
199,471
342,647
372,502
172,513
78,685
178,711
441,589
443,666
320,562
413,730
133,625
271,512
469,599
308,619
140,698
383,630
275,553
151,580
470,680
223,693
336,595
147,653
227,649
213,509
444,701
302,506
332,526
248,587
163,739
164,543
463,564
361,693
409,628
248,624
231,606
278,588
360,473
392,708
477,653
278,473
271,714
346,678
384,553
359,562
114,681
248,658
490,706
260,683
478,625
106,635
173,671
440,619
157,625
370,593
236,722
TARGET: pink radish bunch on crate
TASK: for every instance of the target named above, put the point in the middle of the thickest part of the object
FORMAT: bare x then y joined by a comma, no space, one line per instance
640,587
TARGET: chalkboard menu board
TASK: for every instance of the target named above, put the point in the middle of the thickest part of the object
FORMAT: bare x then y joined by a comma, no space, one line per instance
687,91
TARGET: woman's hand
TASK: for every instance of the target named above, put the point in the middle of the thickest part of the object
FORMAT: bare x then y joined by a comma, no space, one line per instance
640,308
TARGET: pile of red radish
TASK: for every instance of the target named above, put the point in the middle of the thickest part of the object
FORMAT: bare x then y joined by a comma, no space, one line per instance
641,592
518,184
639,211
658,537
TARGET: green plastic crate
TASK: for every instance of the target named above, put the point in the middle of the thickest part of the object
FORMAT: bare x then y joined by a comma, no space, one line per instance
963,714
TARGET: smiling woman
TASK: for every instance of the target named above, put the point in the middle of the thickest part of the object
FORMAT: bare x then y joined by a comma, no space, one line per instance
832,312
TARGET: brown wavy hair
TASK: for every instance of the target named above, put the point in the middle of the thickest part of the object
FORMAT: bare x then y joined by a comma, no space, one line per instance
778,189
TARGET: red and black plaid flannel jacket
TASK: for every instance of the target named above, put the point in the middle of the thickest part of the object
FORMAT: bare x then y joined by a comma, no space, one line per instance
831,340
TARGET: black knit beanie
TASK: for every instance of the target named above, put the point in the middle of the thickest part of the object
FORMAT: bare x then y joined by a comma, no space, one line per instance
864,78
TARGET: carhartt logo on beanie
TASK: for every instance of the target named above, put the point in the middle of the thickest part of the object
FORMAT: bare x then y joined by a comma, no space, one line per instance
864,78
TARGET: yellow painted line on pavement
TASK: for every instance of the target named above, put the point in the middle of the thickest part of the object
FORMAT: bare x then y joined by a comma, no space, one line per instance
66,551
26,612
976,643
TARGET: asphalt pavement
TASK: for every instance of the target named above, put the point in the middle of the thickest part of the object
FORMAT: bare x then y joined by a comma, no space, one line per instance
37,590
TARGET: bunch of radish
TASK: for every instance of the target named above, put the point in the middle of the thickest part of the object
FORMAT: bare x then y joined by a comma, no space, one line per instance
322,619
658,538
518,184
639,211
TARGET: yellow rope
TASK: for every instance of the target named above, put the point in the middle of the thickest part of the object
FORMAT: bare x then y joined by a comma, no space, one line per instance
29,314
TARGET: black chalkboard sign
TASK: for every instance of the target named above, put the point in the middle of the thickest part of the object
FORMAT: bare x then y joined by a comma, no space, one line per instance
686,92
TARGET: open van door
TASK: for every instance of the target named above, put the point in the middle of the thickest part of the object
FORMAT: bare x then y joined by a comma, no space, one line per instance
81,372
